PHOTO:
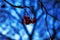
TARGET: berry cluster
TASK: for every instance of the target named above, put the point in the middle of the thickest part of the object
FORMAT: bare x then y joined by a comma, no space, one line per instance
28,21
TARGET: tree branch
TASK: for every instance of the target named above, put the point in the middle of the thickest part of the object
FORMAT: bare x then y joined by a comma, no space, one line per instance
16,6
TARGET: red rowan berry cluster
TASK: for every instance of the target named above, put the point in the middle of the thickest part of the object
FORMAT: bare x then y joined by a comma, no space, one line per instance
28,21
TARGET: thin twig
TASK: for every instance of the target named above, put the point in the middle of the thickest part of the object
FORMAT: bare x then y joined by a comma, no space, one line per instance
16,6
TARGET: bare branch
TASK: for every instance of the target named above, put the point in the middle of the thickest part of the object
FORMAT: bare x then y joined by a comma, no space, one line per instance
16,6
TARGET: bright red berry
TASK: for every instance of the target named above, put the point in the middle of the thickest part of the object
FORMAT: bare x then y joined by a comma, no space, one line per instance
27,20
34,20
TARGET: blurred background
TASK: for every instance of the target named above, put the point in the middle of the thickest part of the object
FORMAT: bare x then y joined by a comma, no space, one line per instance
46,27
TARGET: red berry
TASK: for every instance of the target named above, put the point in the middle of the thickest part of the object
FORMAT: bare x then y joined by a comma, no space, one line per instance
34,20
27,20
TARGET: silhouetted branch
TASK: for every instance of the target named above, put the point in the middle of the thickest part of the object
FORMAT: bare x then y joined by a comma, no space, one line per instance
51,38
16,6
56,2
54,30
55,17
